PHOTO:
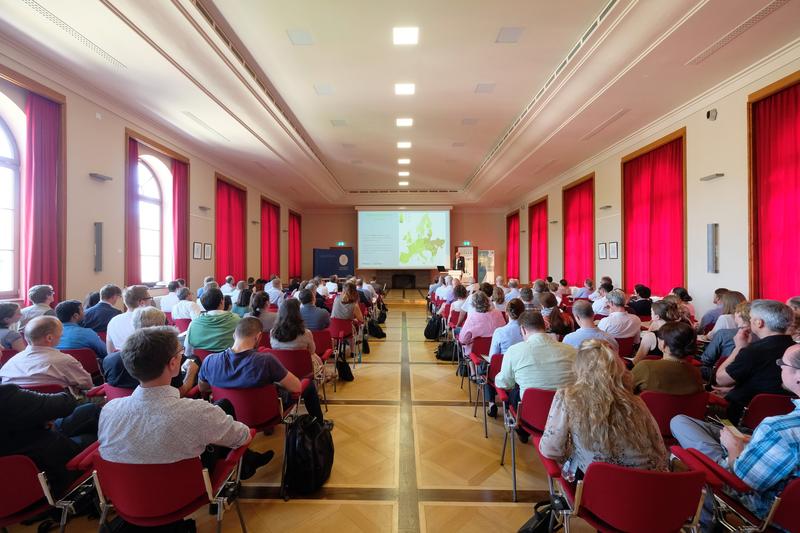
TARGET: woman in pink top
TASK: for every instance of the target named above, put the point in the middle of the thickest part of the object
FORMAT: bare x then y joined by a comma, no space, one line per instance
481,322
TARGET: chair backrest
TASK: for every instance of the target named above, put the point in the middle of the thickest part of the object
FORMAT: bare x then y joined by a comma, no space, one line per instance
258,407
322,341
298,362
6,355
534,408
112,393
481,345
200,353
142,492
44,389
625,346
182,324
264,340
341,328
664,407
786,515
20,488
495,364
452,318
103,335
643,507
87,358
169,318
765,405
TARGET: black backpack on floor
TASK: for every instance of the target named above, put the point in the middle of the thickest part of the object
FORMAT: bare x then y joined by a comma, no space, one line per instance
375,330
447,351
433,328
309,455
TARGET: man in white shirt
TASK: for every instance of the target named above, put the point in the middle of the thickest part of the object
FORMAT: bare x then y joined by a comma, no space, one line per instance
333,285
121,326
168,301
498,282
445,292
275,293
228,287
366,288
186,308
41,363
596,294
620,323
600,305
513,290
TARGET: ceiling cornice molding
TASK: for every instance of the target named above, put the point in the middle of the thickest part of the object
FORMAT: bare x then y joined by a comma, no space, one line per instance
756,71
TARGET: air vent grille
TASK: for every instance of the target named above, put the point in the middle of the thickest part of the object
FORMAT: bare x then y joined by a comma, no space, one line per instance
72,32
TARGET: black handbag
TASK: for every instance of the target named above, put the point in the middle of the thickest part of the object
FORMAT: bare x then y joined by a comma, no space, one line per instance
542,520
343,369
364,345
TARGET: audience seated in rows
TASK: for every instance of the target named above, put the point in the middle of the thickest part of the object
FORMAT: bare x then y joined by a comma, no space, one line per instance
99,315
259,308
597,418
587,289
600,304
445,290
275,292
556,322
121,326
213,329
640,302
673,373
154,425
73,336
710,316
41,296
315,318
40,363
750,369
727,320
620,323
513,289
169,300
769,459
186,308
596,294
662,312
584,315
481,322
10,339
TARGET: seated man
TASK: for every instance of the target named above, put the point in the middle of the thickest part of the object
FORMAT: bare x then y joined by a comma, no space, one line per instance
513,290
600,304
586,290
213,330
539,362
504,338
186,308
526,295
315,318
70,313
710,317
620,323
750,369
275,292
437,282
228,287
242,367
154,425
99,315
41,296
320,288
333,284
445,291
206,281
41,363
121,325
769,459
584,316
51,429
596,294
168,301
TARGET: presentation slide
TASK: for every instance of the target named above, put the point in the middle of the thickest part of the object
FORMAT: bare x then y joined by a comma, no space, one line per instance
403,239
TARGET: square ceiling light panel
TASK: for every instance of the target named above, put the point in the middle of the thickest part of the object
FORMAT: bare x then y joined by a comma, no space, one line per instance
408,35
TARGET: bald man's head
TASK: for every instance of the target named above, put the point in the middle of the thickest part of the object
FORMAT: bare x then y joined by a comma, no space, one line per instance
44,331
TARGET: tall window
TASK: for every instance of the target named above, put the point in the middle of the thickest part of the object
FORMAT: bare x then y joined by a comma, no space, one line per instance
151,218
9,213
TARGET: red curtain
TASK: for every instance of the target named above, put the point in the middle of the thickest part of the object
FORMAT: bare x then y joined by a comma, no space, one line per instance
41,246
270,239
579,232
180,219
133,268
653,214
512,245
776,194
295,250
537,231
231,236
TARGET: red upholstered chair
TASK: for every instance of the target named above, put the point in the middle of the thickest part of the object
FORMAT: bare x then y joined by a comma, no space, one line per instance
201,354
154,495
625,346
596,499
323,345
341,333
298,362
182,324
480,347
258,407
102,335
109,392
169,318
599,317
720,480
766,405
264,340
664,407
272,308
87,358
6,355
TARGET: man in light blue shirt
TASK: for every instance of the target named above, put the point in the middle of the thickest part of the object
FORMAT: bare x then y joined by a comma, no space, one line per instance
513,290
584,315
502,339
711,316
75,337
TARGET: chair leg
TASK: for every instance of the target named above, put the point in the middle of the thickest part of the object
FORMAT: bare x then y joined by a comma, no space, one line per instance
503,453
220,510
485,416
103,525
284,493
241,518
477,393
324,389
513,469
62,525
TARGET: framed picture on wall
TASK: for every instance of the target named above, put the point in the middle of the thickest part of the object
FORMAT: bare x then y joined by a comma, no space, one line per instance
197,250
613,250
207,251
601,251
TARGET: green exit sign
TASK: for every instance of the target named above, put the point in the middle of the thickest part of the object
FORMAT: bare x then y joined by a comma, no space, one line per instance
340,243
467,243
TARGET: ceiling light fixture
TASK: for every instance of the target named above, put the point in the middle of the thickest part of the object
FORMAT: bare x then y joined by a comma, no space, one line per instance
404,173
404,89
405,35
300,37
404,145
404,161
404,122
402,183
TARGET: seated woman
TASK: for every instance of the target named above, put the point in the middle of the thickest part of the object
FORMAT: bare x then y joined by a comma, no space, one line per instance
563,289
598,418
557,323
290,333
242,304
457,307
726,319
794,329
345,306
481,322
722,344
684,311
661,312
640,302
685,299
259,308
499,299
10,339
672,374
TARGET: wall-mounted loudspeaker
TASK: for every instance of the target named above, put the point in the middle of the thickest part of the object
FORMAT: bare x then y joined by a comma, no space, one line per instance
98,246
711,114
712,248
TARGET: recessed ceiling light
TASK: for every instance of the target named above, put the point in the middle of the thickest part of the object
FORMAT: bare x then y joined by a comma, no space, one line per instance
405,35
404,173
402,183
338,123
323,89
404,88
484,88
300,37
509,35
404,145
404,122
404,161
469,121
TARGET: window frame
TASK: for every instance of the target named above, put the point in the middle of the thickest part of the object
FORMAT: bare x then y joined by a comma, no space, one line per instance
16,168
160,204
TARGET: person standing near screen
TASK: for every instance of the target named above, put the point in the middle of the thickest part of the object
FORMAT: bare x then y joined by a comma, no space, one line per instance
458,262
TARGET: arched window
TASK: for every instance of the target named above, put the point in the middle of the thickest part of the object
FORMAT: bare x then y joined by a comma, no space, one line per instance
9,213
151,217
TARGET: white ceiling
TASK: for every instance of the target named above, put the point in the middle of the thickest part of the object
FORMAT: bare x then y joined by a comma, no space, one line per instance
165,62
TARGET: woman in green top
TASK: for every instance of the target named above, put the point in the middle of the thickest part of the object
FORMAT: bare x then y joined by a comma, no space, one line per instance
672,374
